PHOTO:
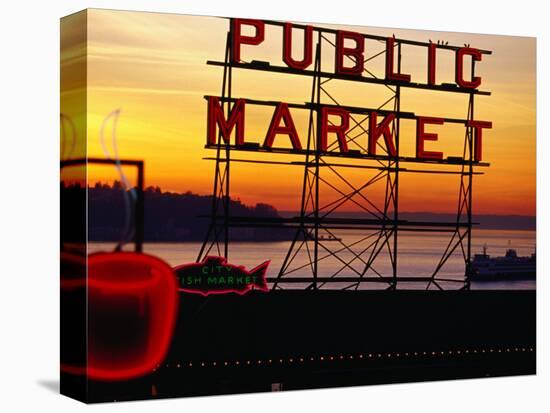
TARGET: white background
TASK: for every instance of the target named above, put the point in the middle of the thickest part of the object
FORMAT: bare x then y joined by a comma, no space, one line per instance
29,205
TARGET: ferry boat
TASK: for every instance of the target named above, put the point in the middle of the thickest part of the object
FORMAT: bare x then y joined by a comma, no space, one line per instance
509,267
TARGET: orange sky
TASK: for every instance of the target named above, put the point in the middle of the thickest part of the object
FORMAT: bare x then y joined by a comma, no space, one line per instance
152,66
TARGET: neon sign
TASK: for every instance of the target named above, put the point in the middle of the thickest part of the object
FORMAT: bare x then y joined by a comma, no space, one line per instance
214,275
132,302
334,120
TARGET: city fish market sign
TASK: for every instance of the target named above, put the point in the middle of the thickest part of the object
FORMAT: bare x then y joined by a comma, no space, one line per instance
333,121
214,275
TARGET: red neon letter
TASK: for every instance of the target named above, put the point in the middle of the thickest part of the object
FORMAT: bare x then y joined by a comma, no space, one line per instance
281,112
390,74
287,48
217,118
459,76
339,130
356,53
422,136
239,39
478,126
383,129
431,63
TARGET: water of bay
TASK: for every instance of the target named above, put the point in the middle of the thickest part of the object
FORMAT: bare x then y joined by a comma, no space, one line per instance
418,256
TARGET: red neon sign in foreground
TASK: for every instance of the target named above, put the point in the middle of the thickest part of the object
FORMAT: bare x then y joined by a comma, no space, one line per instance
132,310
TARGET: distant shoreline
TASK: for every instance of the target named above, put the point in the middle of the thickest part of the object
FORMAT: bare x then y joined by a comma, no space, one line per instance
198,241
184,217
484,221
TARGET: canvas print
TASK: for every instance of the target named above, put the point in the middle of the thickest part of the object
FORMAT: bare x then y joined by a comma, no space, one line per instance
251,205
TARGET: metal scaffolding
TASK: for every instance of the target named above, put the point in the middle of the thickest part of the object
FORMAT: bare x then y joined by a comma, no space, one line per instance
315,240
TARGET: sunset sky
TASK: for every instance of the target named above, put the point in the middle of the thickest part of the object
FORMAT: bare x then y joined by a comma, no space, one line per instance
152,66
